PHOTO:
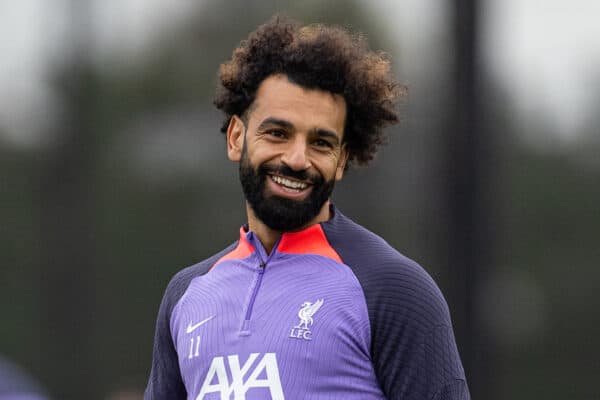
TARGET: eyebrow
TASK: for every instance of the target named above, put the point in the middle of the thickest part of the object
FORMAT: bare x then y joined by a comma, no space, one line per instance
275,121
325,133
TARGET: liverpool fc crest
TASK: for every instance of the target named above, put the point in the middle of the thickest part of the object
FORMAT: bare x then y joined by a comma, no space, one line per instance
302,330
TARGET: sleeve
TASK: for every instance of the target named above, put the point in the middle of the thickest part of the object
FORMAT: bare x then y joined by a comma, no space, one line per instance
454,390
413,346
165,380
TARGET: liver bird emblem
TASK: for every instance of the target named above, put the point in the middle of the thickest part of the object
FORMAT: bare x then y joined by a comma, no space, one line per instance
306,313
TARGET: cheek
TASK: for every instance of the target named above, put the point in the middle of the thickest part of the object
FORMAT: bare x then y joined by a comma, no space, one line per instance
261,152
329,168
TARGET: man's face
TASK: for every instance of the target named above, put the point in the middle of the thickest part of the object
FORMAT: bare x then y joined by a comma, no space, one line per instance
290,152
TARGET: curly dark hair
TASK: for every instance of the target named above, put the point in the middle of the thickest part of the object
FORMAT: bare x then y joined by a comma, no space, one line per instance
321,57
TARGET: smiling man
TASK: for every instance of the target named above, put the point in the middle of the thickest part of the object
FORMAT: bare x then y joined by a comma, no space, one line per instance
306,304
290,155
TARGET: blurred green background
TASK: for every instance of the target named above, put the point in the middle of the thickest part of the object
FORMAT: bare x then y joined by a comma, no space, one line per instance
113,176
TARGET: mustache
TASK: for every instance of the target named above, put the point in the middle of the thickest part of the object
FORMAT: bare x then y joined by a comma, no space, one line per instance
284,170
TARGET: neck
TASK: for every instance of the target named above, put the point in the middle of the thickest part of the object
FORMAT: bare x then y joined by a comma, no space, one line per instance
268,237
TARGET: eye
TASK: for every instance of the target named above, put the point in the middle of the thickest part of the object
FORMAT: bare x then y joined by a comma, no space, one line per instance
322,143
278,133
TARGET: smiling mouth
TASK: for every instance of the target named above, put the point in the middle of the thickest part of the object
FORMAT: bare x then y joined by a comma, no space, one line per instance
289,185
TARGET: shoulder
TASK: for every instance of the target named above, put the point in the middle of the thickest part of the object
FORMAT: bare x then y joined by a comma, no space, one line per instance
392,282
181,280
165,377
413,350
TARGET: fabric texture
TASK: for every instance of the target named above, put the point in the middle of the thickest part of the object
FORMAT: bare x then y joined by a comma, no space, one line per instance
333,312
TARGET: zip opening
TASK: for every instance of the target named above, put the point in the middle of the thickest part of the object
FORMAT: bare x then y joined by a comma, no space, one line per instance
261,272
245,331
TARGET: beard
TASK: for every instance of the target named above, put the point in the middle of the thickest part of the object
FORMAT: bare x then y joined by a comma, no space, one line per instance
279,213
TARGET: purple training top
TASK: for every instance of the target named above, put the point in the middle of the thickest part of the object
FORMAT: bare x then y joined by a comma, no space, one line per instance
332,313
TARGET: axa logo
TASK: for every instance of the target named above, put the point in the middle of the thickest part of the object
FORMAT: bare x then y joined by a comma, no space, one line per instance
243,377
306,313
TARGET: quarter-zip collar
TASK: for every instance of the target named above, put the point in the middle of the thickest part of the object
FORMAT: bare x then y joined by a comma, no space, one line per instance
311,240
261,252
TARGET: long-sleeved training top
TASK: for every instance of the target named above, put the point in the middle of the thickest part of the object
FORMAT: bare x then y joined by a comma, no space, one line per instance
333,312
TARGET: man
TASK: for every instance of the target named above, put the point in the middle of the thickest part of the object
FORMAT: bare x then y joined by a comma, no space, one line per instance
306,304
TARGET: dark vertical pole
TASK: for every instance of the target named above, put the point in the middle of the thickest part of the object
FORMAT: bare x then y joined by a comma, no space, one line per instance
67,229
468,212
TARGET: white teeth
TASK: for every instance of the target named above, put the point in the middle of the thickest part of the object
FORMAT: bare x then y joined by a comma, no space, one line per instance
288,183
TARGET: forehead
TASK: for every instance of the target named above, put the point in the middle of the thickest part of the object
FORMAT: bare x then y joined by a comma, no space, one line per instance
306,109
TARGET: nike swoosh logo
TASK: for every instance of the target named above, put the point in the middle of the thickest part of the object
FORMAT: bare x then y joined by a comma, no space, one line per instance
191,328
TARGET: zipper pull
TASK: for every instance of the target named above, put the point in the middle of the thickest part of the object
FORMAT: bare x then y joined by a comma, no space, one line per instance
262,266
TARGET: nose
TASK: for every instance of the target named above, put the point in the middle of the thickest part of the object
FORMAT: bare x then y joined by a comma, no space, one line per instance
295,156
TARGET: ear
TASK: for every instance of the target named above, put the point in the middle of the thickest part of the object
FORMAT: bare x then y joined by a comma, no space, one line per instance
339,172
235,138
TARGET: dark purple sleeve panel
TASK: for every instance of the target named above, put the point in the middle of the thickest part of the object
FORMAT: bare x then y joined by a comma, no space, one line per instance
165,381
453,390
413,349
